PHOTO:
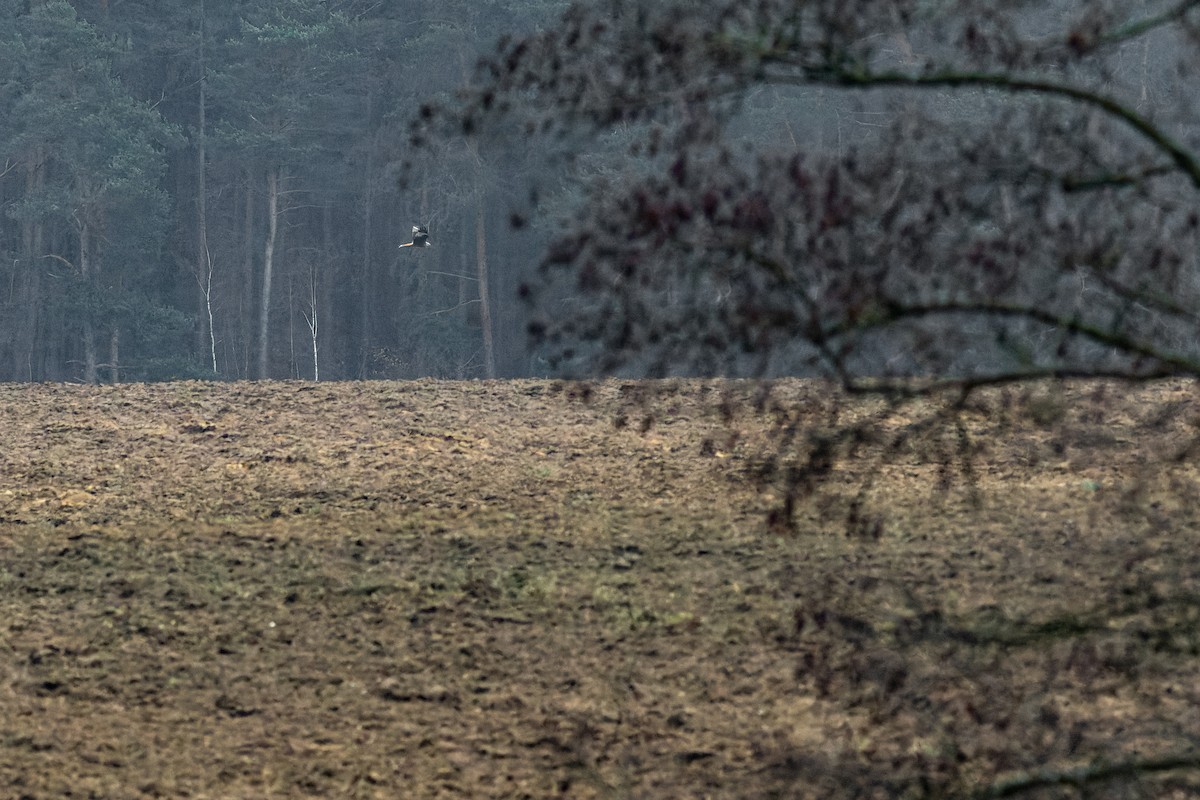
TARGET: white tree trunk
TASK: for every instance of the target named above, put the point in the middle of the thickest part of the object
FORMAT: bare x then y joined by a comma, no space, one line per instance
204,265
311,319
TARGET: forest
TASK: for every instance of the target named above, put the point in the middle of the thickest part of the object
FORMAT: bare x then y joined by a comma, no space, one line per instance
946,549
211,190
866,190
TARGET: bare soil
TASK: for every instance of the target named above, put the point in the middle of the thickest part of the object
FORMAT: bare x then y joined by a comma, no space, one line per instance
538,589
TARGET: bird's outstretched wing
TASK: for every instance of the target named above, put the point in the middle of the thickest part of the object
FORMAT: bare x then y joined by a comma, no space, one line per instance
420,236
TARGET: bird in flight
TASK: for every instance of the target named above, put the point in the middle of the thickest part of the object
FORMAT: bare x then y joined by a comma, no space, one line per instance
420,237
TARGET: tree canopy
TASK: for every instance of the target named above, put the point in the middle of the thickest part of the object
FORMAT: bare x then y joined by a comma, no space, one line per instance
916,201
209,190
868,191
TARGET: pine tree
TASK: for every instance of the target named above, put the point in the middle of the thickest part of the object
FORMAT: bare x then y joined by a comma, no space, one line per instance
92,209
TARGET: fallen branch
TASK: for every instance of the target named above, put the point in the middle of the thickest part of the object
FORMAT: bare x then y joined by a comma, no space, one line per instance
1084,776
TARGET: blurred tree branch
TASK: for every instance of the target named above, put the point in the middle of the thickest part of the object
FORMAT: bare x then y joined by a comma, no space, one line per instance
1184,159
1080,778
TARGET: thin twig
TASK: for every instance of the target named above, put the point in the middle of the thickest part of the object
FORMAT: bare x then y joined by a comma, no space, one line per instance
451,308
453,275
1136,29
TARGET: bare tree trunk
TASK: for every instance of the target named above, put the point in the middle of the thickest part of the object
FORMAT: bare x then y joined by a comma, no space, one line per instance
481,268
32,238
245,297
264,310
26,337
367,287
90,370
206,294
1144,94
114,354
424,211
481,272
204,267
317,289
311,318
293,364
465,299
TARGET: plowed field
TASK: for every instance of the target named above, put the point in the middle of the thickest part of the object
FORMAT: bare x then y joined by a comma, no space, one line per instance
537,589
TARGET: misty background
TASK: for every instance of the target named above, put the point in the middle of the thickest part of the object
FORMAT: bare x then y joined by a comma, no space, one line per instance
219,189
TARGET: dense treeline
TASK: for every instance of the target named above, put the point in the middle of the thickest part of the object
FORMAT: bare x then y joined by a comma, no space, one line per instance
211,189
194,188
